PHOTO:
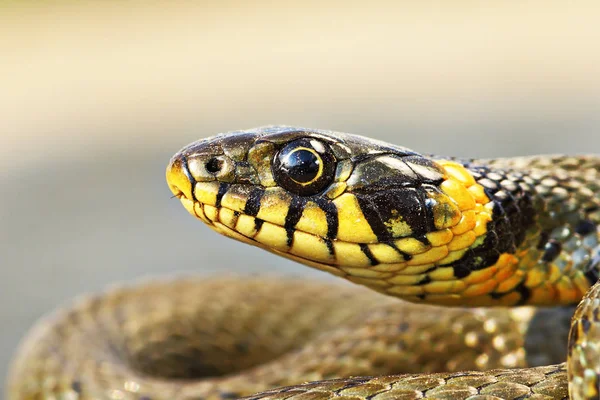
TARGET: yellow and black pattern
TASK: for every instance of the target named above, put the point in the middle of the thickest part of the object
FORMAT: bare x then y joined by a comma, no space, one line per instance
424,228
522,231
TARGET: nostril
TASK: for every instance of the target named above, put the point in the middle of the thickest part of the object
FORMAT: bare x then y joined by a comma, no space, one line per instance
214,165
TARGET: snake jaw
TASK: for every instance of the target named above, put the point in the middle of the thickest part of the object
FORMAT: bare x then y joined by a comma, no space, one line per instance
242,227
203,201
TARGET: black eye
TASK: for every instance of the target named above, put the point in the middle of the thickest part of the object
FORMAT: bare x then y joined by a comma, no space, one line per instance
302,165
305,167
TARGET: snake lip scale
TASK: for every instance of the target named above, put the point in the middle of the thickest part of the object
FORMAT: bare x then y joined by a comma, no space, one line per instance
475,279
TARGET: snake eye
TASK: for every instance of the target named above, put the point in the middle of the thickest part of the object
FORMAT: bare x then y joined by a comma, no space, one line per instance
301,165
304,166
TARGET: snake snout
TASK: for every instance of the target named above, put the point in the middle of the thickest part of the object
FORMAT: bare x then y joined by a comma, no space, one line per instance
179,179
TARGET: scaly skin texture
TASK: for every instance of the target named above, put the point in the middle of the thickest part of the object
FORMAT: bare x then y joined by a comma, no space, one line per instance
262,333
427,229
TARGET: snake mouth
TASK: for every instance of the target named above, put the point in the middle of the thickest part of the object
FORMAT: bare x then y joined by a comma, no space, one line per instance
202,199
264,234
243,227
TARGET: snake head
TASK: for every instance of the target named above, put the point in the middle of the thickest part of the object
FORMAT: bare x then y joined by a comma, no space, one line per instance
375,213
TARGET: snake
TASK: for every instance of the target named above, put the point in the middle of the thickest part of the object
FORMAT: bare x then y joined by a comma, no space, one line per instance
463,279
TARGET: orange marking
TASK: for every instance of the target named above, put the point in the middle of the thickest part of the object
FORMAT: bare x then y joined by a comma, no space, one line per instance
510,283
480,289
545,294
481,275
567,291
510,299
534,278
506,269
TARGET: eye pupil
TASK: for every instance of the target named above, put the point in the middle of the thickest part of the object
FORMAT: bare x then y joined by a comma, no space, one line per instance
214,165
302,165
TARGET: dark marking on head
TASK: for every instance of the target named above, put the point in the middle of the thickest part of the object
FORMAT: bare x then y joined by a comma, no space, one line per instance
189,176
258,223
426,279
369,210
293,216
331,216
428,171
222,190
423,239
330,248
365,249
289,232
376,172
407,205
253,203
393,206
404,255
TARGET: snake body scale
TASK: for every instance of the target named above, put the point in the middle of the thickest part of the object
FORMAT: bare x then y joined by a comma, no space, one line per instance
488,240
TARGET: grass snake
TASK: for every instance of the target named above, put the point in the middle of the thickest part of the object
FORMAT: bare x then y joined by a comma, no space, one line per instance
497,262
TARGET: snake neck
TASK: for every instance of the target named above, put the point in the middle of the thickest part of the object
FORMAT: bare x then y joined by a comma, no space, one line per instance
546,221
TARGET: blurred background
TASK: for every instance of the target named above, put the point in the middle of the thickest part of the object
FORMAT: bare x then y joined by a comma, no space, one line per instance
96,96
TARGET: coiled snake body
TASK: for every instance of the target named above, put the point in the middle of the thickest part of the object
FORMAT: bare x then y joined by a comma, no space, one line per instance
503,234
